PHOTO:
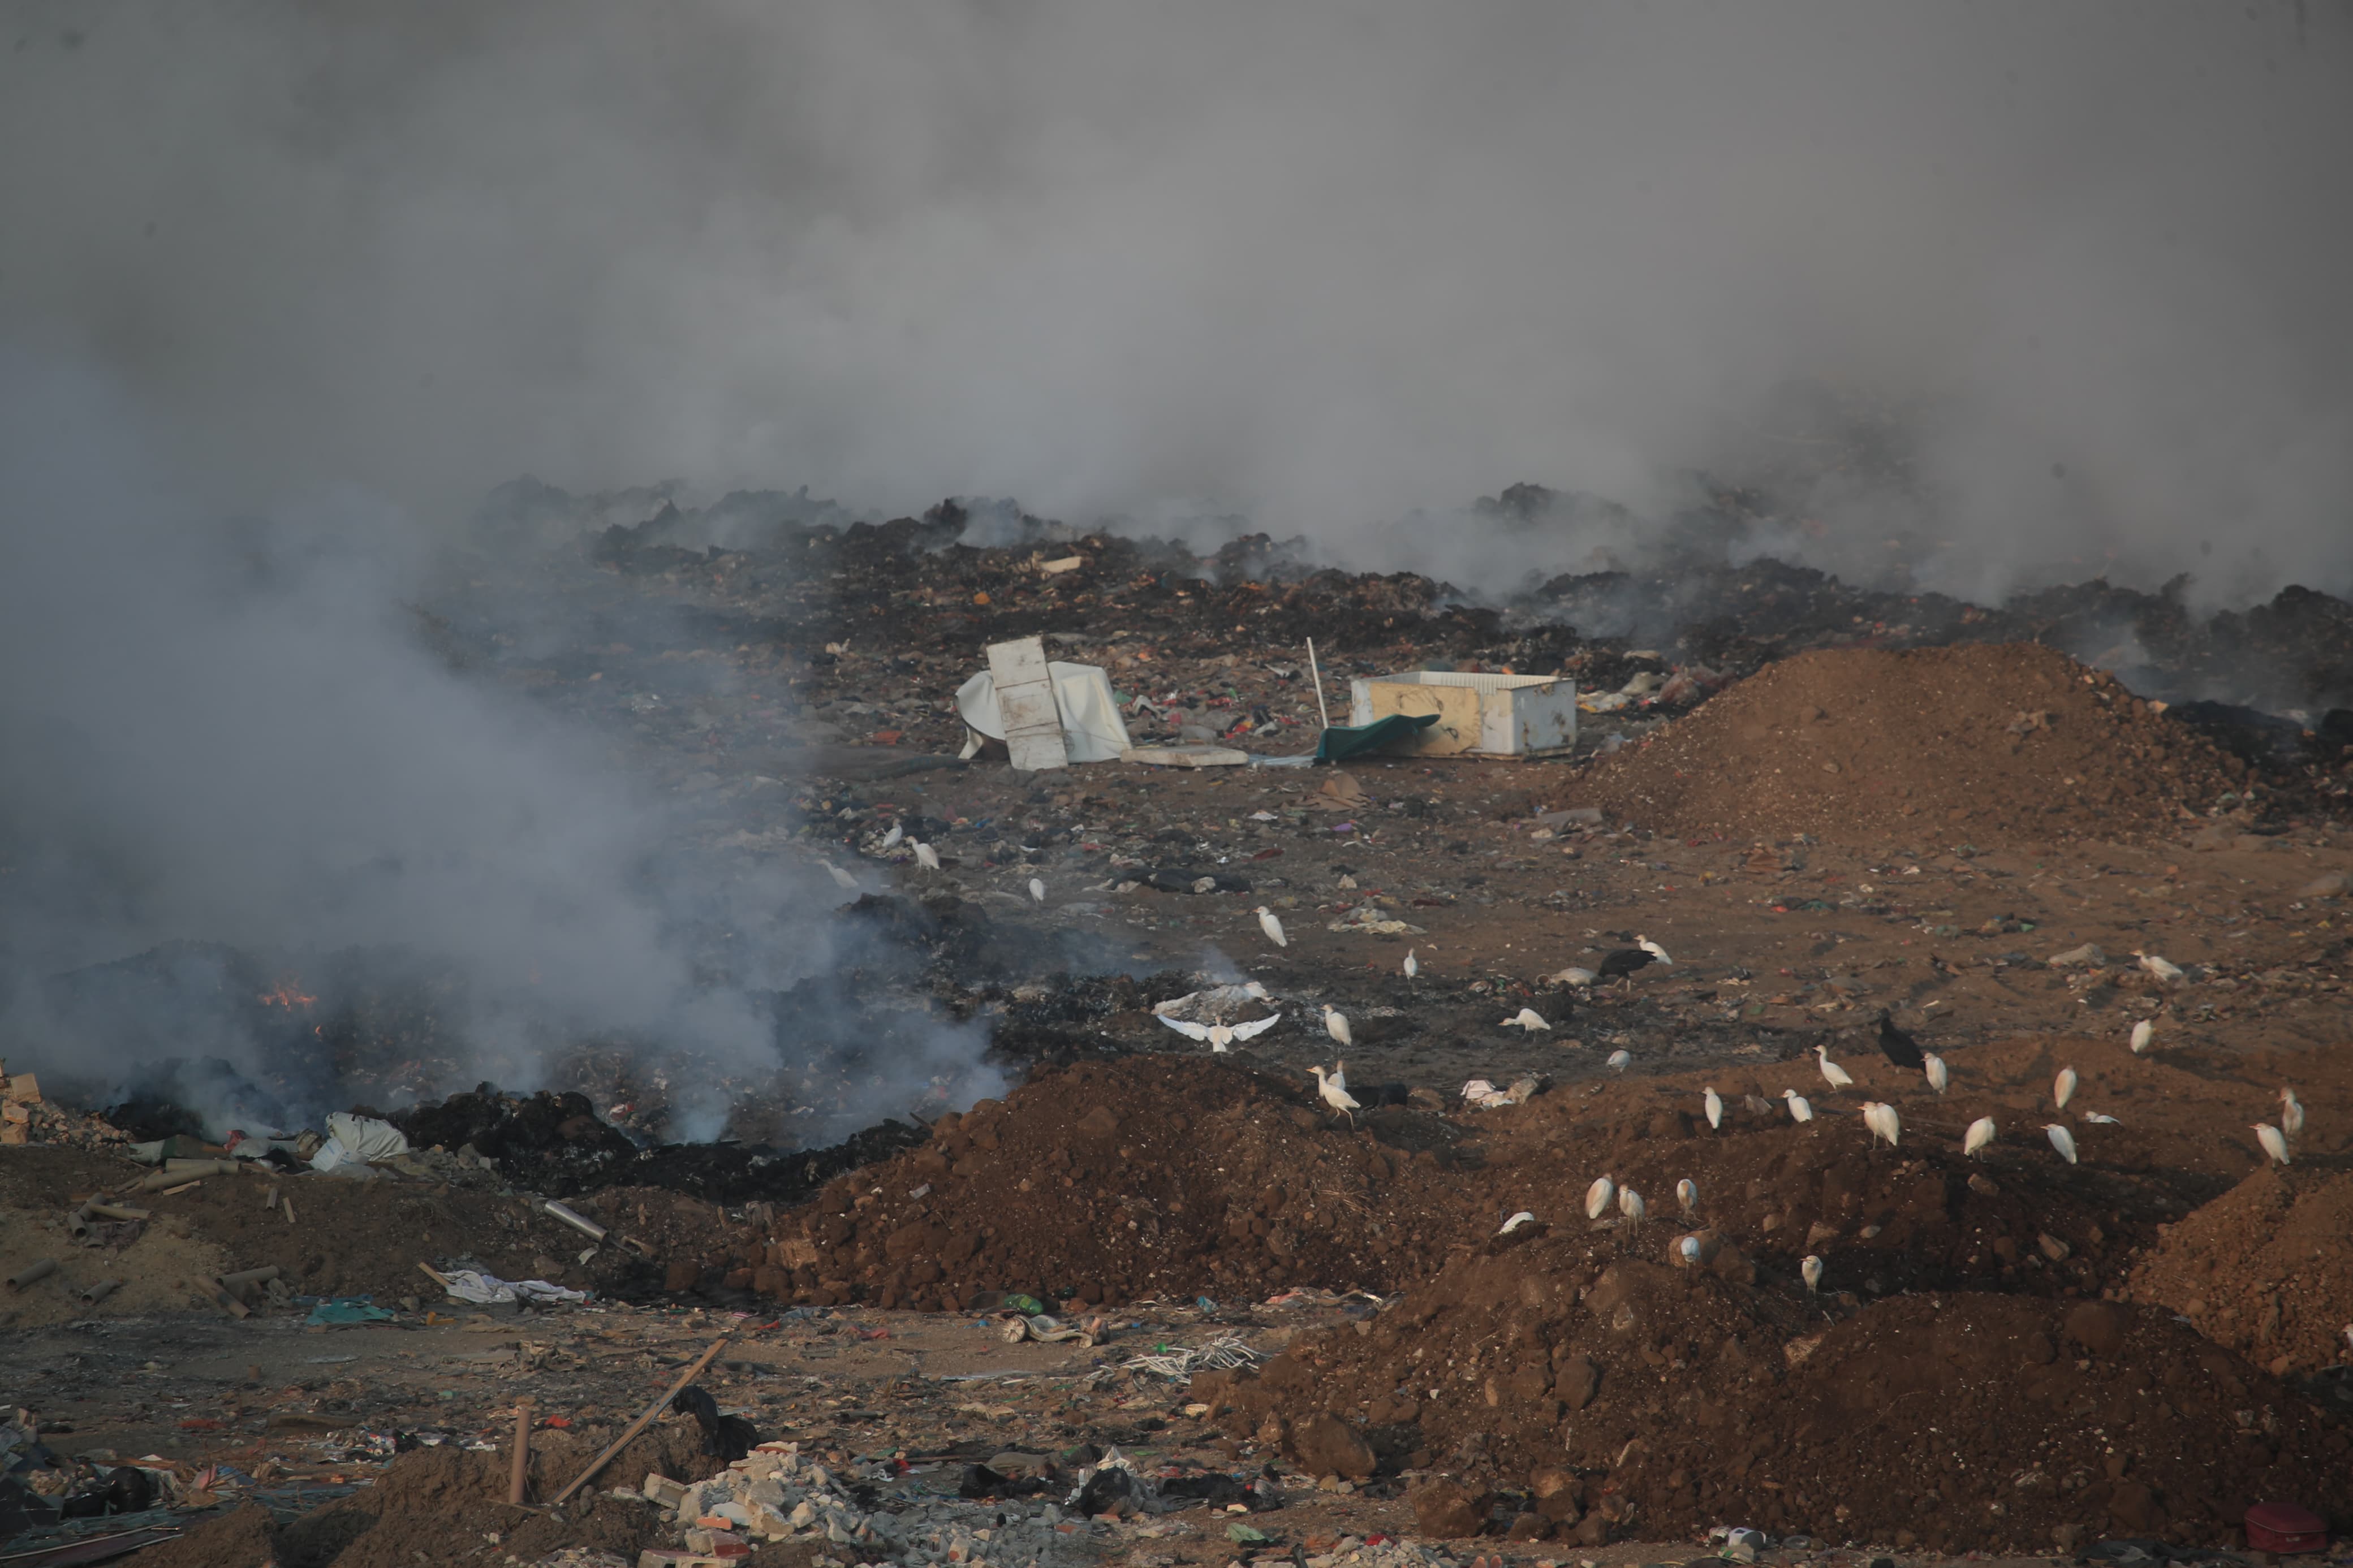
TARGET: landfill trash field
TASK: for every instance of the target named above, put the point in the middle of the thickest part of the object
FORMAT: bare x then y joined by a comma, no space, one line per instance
1154,1299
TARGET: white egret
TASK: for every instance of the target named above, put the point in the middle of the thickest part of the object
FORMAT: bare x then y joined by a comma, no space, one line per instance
1933,1066
1218,1036
2273,1143
2142,1033
1335,1023
1690,1250
2063,1087
1687,1194
841,879
1654,950
2167,972
1271,926
890,839
1714,1104
1412,966
2097,1120
1884,1122
1339,1075
1526,1018
1037,890
1599,1197
926,857
1798,1110
1813,1270
1335,1097
1979,1137
1837,1077
1630,1204
2290,1114
2060,1139
1523,1217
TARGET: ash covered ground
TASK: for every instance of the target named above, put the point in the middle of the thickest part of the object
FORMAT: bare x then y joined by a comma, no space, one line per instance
1824,803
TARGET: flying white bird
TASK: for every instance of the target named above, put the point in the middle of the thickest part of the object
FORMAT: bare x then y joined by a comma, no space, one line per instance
1574,975
1690,1249
1412,966
1037,890
1630,1204
1798,1110
1335,1023
1335,1097
1598,1197
1621,1059
2273,1143
2168,972
890,839
1714,1104
1979,1137
1654,950
1517,1220
1933,1066
1687,1194
2098,1119
926,857
1219,1036
1884,1122
2143,1032
2290,1114
2060,1139
841,879
2063,1087
1813,1270
1836,1076
1526,1018
1271,926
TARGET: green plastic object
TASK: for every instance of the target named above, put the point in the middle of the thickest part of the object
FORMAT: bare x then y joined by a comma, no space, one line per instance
1339,745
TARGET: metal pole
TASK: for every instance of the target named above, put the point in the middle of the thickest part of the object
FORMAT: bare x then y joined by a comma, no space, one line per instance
1317,674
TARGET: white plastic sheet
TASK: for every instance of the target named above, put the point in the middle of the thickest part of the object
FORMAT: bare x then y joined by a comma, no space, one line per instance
490,1291
358,1140
1091,727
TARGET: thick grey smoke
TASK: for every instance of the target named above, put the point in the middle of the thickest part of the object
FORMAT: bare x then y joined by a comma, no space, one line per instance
1320,264
234,736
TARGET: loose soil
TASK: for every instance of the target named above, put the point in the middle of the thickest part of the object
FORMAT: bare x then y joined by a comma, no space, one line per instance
1998,742
2264,1268
1678,1398
449,1505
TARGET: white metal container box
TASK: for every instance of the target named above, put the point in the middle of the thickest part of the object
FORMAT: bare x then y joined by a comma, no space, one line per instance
1478,715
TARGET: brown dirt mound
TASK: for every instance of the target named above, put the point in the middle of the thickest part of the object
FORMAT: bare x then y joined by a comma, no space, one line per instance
1663,1400
1995,740
1153,1177
445,1505
2264,1268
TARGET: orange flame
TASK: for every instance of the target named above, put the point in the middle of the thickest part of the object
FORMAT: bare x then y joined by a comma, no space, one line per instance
289,995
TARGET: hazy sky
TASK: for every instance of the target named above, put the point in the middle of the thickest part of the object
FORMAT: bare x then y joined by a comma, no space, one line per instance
1322,262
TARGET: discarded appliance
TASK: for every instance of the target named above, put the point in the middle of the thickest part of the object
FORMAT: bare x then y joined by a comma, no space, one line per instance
1477,715
1048,714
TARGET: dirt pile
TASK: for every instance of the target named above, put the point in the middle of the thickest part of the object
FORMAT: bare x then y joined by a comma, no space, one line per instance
2004,741
1588,1381
1159,1177
2263,1268
449,1505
